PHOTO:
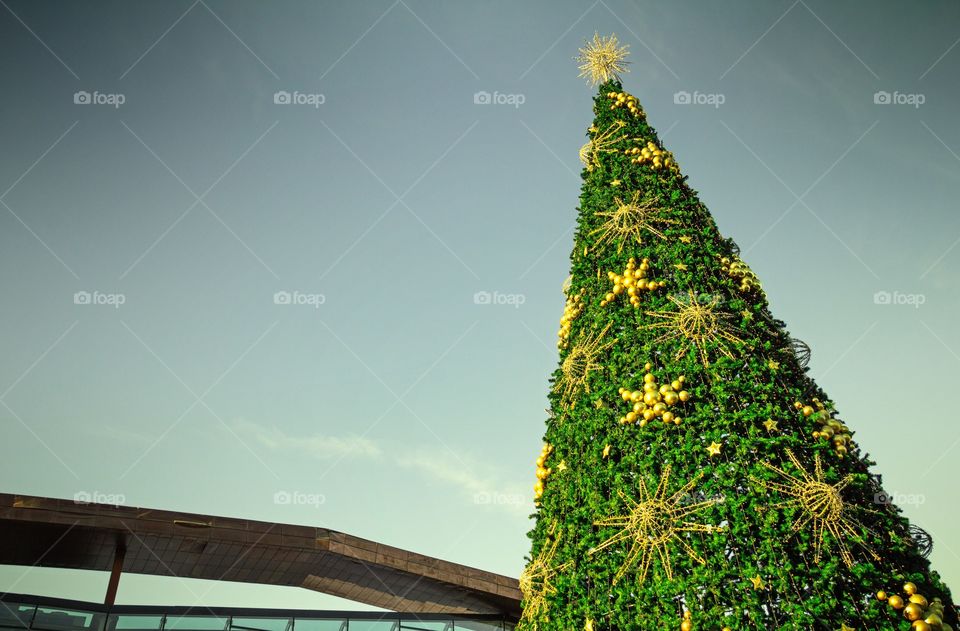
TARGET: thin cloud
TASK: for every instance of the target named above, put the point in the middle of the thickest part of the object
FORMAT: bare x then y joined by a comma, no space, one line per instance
477,488
320,446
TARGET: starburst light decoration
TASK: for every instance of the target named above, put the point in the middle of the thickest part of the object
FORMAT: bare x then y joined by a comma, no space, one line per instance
655,524
602,59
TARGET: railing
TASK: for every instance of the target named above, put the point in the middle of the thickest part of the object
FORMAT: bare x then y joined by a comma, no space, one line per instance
37,613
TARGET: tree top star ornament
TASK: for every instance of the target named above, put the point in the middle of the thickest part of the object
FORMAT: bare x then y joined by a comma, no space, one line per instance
602,59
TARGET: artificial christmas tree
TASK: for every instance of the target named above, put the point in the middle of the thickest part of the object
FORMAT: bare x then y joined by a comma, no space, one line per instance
693,476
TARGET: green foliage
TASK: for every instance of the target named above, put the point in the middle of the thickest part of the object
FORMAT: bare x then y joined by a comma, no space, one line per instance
731,398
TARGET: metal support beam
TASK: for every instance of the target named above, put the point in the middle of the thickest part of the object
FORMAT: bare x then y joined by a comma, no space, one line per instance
119,552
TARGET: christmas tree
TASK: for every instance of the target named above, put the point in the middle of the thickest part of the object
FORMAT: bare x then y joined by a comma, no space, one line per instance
693,476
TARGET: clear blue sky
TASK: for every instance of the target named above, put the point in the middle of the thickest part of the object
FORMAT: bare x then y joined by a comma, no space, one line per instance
399,401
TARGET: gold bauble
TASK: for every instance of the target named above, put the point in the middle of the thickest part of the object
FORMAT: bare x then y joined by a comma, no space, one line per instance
684,395
920,625
671,398
895,601
912,612
649,378
807,410
933,619
909,589
650,398
918,599
686,625
881,595
668,417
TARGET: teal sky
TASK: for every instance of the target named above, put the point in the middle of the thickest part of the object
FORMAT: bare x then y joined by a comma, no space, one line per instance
389,404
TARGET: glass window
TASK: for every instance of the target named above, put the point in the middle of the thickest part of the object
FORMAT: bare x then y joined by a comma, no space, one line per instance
129,622
53,619
478,625
421,625
15,615
196,623
375,625
320,624
261,624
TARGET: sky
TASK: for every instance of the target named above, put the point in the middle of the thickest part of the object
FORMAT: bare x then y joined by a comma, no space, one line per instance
302,261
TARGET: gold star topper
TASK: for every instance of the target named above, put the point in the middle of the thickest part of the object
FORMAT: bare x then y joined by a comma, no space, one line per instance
602,59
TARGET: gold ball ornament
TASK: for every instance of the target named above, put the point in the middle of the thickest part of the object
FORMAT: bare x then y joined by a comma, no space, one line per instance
686,625
909,589
919,599
934,619
912,612
895,601
881,595
921,625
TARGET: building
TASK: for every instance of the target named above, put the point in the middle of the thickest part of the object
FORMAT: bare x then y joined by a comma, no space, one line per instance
419,592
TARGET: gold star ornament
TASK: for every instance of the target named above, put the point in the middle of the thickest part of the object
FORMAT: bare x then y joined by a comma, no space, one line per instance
602,59
714,448
757,582
770,424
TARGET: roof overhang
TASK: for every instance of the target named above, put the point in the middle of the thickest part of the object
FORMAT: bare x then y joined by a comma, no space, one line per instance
46,532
